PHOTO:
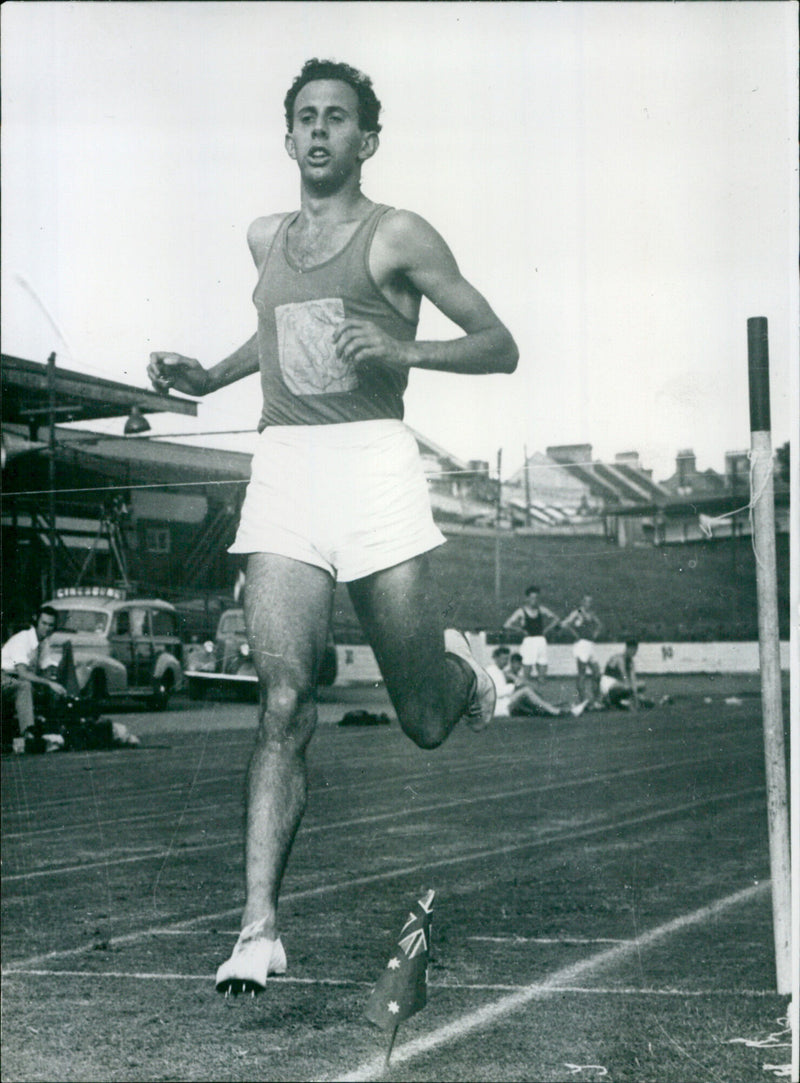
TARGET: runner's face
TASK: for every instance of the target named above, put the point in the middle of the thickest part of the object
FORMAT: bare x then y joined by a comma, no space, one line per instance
45,625
326,140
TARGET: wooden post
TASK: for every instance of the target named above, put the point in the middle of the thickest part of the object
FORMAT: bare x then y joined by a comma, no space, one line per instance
763,504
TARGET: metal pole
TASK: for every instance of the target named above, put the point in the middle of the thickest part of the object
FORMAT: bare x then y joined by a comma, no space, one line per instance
497,529
527,487
51,473
763,505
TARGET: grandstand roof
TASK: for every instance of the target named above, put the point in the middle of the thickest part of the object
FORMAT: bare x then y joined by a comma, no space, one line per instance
132,460
619,484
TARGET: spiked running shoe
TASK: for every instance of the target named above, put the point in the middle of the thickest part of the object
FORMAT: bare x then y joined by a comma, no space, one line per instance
253,959
483,693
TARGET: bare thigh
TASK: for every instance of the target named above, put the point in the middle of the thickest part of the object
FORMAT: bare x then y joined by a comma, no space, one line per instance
405,627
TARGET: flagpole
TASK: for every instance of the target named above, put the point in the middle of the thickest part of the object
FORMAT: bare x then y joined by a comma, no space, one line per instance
390,1047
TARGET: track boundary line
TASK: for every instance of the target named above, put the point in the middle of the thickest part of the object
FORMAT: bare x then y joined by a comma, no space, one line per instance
290,979
373,1069
391,874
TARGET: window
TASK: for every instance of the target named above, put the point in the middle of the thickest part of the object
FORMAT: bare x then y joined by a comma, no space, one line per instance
163,622
157,539
80,620
232,624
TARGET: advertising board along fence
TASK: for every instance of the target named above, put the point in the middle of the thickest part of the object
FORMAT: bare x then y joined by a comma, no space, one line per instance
357,663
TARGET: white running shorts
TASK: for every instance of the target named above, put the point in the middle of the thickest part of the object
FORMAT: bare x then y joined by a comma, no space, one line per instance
607,683
534,651
583,651
349,498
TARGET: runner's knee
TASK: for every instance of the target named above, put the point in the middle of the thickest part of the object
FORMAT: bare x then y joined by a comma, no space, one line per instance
424,725
289,710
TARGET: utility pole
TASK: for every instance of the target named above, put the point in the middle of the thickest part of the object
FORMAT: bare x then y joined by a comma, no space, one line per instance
527,487
498,509
51,474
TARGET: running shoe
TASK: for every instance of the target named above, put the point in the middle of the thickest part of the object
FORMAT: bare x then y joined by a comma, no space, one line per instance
577,710
483,693
253,959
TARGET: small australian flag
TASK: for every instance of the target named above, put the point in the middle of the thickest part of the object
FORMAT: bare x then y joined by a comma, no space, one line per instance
402,988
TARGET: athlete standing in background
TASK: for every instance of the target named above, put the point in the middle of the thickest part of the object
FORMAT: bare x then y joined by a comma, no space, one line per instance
535,621
585,626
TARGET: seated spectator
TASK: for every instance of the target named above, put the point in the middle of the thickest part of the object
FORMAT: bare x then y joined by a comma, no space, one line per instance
514,698
22,660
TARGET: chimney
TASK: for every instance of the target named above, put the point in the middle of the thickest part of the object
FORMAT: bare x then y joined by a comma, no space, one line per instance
737,467
686,466
628,458
479,466
571,453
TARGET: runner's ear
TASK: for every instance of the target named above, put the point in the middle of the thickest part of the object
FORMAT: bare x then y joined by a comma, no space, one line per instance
369,144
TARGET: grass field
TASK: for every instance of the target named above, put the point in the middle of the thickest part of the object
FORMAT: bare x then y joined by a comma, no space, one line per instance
697,591
602,901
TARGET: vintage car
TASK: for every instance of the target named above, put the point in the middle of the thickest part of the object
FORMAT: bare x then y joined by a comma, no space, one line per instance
121,646
225,661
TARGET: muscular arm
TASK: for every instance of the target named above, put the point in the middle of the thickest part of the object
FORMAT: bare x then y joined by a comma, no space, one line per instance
169,370
516,620
25,673
411,251
567,623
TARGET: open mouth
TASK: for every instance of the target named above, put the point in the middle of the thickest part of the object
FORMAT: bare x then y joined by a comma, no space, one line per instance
318,155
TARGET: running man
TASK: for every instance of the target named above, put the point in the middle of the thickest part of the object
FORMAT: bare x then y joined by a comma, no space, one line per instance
585,626
535,620
337,489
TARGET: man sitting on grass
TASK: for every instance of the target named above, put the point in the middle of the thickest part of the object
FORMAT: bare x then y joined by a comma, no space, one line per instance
514,695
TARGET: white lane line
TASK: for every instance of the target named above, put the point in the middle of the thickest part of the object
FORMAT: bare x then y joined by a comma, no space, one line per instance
107,863
570,835
550,939
145,975
459,987
491,1013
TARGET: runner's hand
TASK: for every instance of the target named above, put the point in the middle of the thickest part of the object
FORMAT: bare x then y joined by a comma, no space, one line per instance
359,341
173,370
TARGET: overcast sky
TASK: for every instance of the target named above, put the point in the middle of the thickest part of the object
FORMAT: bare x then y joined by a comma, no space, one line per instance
619,179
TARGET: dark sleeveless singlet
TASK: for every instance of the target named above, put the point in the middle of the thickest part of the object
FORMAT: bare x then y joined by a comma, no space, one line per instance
533,625
302,379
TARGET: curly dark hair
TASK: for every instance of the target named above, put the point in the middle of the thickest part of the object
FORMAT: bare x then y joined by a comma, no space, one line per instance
368,105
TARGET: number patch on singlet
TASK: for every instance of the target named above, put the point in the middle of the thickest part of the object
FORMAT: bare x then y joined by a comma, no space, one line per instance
308,360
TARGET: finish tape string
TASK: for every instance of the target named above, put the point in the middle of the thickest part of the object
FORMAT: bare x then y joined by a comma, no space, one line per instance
708,522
